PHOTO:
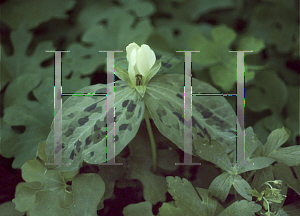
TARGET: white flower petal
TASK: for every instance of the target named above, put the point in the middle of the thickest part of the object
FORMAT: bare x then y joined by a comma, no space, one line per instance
145,59
130,48
132,64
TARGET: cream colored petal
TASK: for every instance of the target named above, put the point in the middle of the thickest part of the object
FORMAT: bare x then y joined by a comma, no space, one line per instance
132,64
145,59
130,48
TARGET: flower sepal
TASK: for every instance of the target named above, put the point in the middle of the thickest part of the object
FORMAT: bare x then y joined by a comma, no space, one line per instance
155,68
123,75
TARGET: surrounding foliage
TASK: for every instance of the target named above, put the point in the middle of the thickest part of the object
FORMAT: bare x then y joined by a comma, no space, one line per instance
270,185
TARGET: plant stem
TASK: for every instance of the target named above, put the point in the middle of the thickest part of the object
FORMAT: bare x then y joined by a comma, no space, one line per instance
153,144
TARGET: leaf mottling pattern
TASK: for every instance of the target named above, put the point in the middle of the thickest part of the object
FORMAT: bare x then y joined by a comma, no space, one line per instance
84,125
212,116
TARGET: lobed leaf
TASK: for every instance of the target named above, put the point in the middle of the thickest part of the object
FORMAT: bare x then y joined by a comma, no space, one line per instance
187,199
45,192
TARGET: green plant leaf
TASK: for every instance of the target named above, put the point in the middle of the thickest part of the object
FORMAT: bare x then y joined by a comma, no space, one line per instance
276,139
212,206
110,174
251,142
167,158
213,117
242,207
187,201
16,13
260,97
291,209
288,155
88,190
25,195
84,125
142,208
214,53
258,163
86,59
221,185
261,176
275,24
281,171
248,42
140,161
214,153
8,209
46,192
240,184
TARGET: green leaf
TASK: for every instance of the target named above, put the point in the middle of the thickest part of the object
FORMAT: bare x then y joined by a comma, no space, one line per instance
292,108
260,97
251,43
240,184
86,60
288,155
46,192
261,176
276,139
291,209
84,125
8,209
213,117
88,190
110,174
215,53
166,159
142,208
221,185
212,206
242,207
258,163
25,195
20,63
275,24
140,8
140,162
15,13
251,142
281,171
187,201
214,153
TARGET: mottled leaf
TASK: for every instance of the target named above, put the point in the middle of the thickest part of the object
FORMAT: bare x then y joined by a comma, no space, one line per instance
84,125
213,117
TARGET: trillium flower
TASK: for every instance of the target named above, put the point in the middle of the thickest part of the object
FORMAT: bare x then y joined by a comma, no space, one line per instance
142,66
